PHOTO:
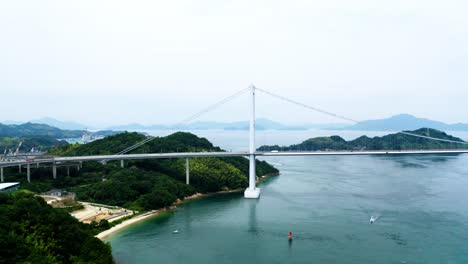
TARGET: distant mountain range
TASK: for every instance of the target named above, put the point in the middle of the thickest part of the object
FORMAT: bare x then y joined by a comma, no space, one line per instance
43,130
394,123
70,125
404,122
59,124
260,124
41,136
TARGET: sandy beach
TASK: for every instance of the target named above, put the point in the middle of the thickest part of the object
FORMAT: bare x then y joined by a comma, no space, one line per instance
128,222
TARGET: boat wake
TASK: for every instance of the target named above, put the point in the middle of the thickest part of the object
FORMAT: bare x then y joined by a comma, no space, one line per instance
374,218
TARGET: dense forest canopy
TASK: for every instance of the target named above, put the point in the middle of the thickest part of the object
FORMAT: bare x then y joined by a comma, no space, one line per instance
177,142
395,141
33,232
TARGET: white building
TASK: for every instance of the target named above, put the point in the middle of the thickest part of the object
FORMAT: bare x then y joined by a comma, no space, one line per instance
8,187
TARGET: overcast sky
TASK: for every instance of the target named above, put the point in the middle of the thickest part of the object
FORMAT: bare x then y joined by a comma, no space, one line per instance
160,61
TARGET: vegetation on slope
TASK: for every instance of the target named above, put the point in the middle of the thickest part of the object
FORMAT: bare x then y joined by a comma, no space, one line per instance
136,189
396,141
33,232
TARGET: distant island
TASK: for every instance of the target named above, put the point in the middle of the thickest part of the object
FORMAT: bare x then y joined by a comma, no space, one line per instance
395,141
404,122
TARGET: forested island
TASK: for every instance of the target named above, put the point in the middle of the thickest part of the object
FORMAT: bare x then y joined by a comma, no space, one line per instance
396,141
143,184
152,184
140,186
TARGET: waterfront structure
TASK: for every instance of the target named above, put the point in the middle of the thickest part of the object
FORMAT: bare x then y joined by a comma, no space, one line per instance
9,187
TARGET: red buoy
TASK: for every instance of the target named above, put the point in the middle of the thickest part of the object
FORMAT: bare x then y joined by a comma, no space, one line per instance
290,237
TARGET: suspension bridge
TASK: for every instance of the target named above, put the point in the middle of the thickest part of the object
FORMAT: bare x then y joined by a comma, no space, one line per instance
252,191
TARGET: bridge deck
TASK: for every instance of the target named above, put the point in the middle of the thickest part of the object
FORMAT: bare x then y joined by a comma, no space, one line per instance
223,154
361,152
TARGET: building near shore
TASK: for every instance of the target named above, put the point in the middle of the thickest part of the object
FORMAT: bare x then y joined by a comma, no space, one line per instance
60,193
9,187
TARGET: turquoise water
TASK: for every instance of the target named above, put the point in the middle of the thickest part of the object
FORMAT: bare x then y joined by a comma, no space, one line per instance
420,202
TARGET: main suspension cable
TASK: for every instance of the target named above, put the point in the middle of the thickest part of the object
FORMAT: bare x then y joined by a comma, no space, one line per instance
307,106
347,118
188,119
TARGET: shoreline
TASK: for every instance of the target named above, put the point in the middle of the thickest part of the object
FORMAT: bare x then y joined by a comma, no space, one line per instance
107,233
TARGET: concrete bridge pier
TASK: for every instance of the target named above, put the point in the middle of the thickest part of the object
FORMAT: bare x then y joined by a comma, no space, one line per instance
28,172
54,171
19,168
252,191
68,171
1,174
122,164
77,167
187,171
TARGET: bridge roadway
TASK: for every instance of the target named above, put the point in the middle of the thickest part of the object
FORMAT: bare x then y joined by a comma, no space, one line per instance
61,160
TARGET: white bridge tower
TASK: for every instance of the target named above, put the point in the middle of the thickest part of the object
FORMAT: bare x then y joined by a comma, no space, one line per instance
252,191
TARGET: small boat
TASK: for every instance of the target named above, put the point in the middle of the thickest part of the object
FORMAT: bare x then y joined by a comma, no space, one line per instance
372,219
175,232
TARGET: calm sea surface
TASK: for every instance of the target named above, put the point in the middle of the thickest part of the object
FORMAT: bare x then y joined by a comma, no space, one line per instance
420,202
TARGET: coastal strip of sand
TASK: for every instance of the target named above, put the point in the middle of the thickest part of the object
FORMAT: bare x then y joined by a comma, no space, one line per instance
126,223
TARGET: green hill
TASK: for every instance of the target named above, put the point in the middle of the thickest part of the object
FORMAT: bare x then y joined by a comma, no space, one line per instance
396,141
33,232
145,184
